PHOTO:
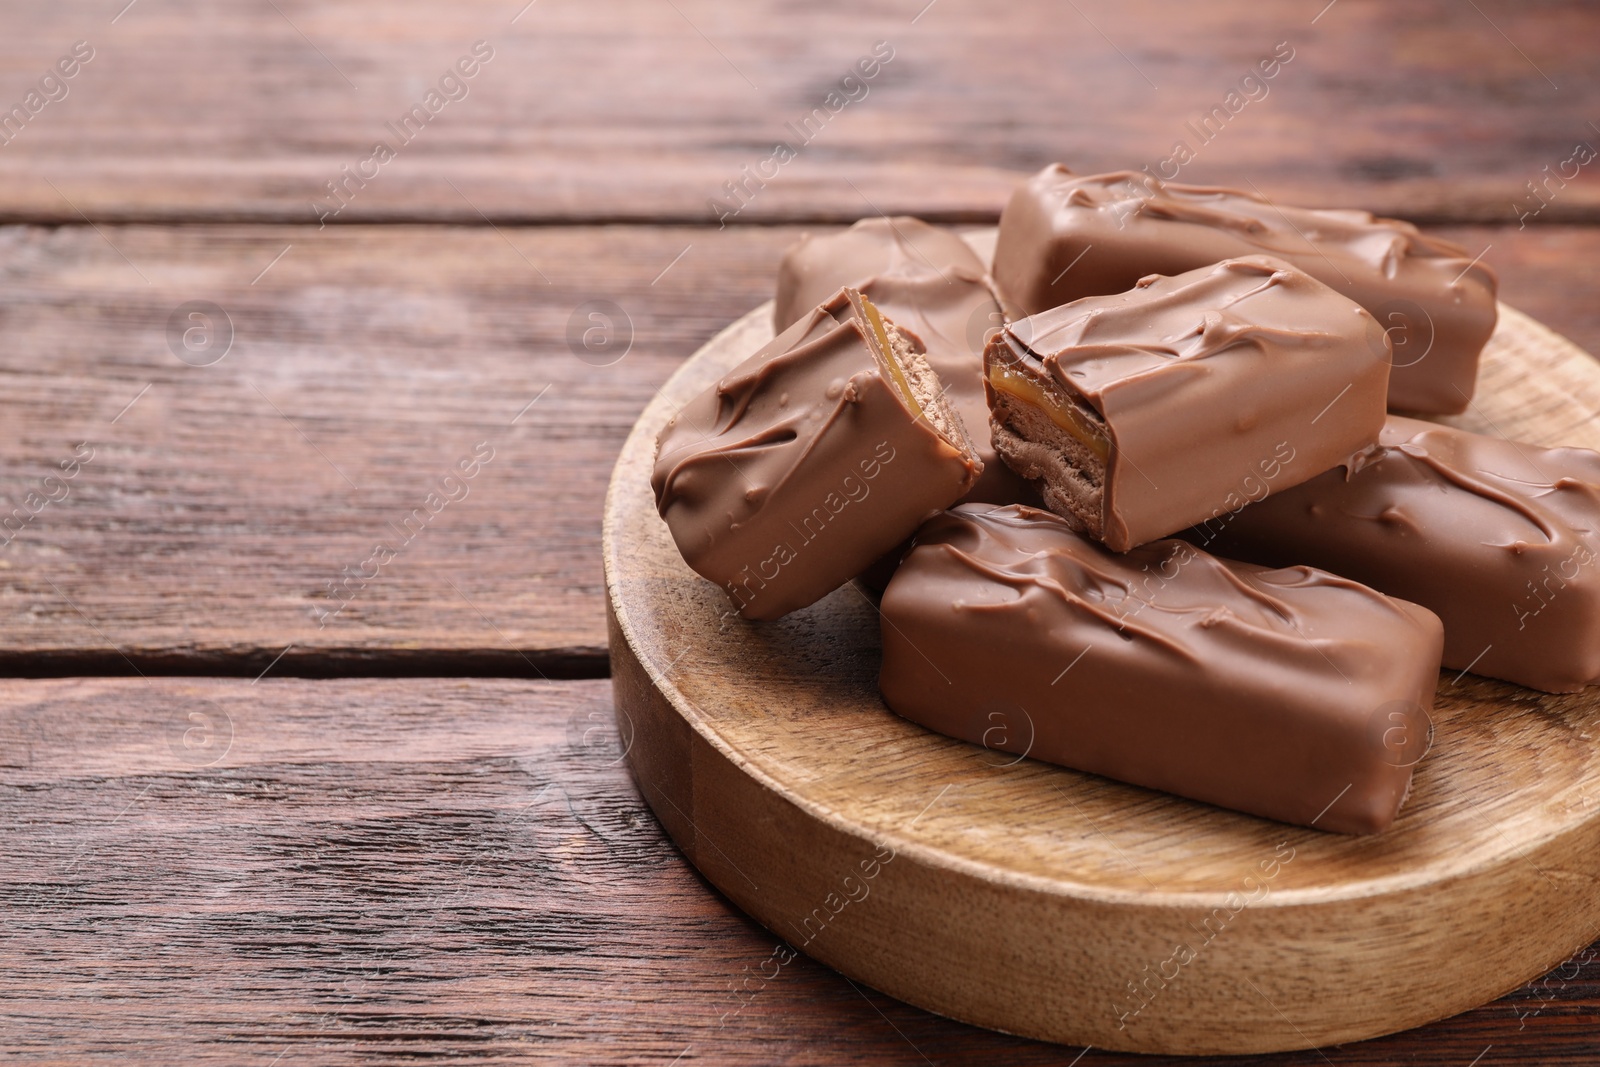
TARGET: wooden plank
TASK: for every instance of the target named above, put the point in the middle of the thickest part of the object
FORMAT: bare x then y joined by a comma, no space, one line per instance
643,110
203,532
206,871
207,524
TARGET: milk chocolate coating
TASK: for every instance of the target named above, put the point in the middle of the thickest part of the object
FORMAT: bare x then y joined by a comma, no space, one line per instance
802,466
929,281
1291,694
1501,540
1201,388
1437,304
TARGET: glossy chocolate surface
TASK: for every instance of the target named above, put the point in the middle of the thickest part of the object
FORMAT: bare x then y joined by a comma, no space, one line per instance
1501,540
1065,236
808,461
930,282
1290,694
1191,395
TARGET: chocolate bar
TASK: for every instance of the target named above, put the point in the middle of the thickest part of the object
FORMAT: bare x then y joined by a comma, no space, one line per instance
1501,540
1142,413
811,459
1063,237
931,283
1291,694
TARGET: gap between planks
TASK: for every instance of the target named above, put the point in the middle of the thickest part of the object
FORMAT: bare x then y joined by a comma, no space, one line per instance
563,664
1477,216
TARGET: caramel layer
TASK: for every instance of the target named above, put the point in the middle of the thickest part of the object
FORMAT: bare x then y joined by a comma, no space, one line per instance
886,353
1067,416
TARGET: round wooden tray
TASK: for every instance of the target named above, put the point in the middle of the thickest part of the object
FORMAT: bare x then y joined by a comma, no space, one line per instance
1040,901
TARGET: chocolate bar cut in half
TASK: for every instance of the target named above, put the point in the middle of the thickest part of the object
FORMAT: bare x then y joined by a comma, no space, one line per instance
930,283
1142,413
811,459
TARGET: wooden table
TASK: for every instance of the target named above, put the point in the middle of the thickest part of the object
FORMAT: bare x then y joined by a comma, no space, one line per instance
267,796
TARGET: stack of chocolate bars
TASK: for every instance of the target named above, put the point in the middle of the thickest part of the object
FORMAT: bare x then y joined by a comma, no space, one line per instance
1133,497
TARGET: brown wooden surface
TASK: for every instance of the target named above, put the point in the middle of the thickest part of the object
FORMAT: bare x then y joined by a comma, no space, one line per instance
266,908
197,110
365,364
364,871
203,533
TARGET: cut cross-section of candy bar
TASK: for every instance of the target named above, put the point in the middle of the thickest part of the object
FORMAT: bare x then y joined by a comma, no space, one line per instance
932,284
811,459
1142,413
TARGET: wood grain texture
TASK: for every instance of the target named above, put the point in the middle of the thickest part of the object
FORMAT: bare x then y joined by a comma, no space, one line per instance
192,110
365,365
203,533
354,872
768,754
375,871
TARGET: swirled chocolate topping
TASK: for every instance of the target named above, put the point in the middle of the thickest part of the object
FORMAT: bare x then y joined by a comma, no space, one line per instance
1141,413
1065,236
1500,539
932,284
810,459
1291,694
